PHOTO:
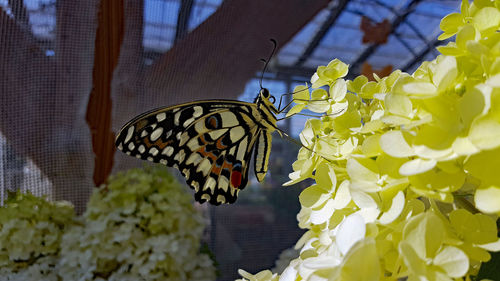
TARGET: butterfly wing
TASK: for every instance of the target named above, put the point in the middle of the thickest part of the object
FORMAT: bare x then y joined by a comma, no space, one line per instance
210,142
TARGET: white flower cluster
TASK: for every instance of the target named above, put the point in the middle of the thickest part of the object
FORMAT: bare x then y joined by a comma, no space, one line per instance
31,229
42,269
141,227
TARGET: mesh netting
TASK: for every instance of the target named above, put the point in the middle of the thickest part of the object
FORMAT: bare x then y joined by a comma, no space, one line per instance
46,61
46,76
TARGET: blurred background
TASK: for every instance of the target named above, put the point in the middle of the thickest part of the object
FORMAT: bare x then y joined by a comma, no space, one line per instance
73,72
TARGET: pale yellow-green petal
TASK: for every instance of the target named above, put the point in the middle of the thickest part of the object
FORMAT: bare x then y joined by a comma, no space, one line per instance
450,23
412,260
356,84
463,146
484,165
487,19
475,228
487,199
427,152
369,90
492,247
394,143
301,93
425,233
371,146
340,67
313,196
362,169
295,109
465,34
338,90
451,49
417,166
323,213
342,196
399,104
485,133
362,262
445,73
453,261
363,200
351,230
397,206
420,89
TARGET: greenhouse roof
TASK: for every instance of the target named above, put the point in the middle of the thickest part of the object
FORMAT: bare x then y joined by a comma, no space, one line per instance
333,33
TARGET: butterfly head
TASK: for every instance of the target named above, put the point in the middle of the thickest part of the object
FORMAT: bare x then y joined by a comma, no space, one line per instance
266,98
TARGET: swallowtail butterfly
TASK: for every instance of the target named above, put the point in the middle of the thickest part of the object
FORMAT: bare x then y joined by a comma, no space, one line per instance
210,142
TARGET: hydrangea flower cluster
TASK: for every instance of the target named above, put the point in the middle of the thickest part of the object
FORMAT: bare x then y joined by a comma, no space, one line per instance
405,167
142,227
31,229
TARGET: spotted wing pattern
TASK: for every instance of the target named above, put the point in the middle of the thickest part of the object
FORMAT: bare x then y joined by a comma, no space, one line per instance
210,142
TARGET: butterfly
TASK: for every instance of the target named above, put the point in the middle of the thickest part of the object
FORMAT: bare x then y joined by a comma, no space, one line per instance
210,142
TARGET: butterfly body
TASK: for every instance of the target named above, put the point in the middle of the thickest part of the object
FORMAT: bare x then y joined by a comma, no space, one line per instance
210,142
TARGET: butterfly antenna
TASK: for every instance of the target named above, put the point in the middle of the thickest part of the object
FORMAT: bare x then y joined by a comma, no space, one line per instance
275,44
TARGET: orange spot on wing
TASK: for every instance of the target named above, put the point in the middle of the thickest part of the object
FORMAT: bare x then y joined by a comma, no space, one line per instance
203,140
219,144
206,154
141,124
212,122
158,143
216,170
227,165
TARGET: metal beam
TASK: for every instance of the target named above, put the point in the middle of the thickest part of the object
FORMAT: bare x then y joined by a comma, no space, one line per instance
420,56
181,29
394,25
294,71
409,24
335,12
280,72
404,43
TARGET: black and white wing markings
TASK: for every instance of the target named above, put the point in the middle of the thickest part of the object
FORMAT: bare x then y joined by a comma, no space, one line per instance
210,142
216,161
221,173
